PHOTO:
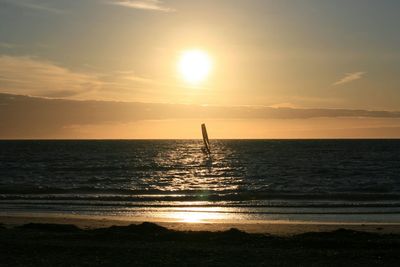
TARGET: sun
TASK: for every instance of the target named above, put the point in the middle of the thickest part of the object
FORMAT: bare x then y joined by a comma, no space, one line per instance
194,66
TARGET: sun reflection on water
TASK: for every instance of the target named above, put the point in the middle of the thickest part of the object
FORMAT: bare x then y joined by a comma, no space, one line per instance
196,215
183,169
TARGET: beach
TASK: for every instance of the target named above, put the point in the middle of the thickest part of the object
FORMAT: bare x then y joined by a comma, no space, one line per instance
82,241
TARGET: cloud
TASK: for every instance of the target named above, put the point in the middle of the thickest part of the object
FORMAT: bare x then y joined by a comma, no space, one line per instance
29,4
8,45
132,76
283,105
93,111
32,76
151,5
36,117
349,77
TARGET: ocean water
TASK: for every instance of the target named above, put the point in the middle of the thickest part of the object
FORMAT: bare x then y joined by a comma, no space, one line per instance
174,180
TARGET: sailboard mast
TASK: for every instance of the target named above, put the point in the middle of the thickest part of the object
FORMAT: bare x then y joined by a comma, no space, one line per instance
205,138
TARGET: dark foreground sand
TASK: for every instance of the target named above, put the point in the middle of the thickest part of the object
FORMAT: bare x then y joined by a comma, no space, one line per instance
148,244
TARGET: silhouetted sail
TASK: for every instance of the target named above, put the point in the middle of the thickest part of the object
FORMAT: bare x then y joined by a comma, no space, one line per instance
205,138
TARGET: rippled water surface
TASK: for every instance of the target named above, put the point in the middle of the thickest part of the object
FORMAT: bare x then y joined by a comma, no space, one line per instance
120,175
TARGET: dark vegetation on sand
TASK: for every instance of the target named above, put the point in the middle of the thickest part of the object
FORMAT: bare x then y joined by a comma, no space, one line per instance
148,244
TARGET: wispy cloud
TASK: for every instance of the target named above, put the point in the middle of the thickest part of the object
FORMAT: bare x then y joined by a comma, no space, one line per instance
34,5
151,5
132,76
8,45
349,77
32,76
38,77
283,105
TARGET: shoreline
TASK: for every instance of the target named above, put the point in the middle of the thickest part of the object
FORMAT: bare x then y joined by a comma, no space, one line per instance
274,227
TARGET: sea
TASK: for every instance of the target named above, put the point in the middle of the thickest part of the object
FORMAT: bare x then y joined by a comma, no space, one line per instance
333,181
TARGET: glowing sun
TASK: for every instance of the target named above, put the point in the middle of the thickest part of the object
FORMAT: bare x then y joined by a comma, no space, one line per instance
194,66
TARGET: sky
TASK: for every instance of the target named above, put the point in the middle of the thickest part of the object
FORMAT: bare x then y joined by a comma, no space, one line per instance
338,61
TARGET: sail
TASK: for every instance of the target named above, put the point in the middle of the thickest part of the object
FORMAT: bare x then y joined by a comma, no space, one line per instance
205,138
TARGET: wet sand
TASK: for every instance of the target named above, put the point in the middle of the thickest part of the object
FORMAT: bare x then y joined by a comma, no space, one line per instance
281,228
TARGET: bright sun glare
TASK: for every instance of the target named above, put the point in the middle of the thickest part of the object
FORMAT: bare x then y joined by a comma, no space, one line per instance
194,66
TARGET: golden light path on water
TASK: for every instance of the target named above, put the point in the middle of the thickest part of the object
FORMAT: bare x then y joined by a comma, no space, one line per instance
204,175
193,214
199,215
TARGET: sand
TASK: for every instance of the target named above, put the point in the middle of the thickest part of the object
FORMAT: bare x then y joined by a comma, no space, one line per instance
57,240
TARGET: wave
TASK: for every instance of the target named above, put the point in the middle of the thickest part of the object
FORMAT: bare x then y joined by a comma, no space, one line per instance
244,200
175,204
185,195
